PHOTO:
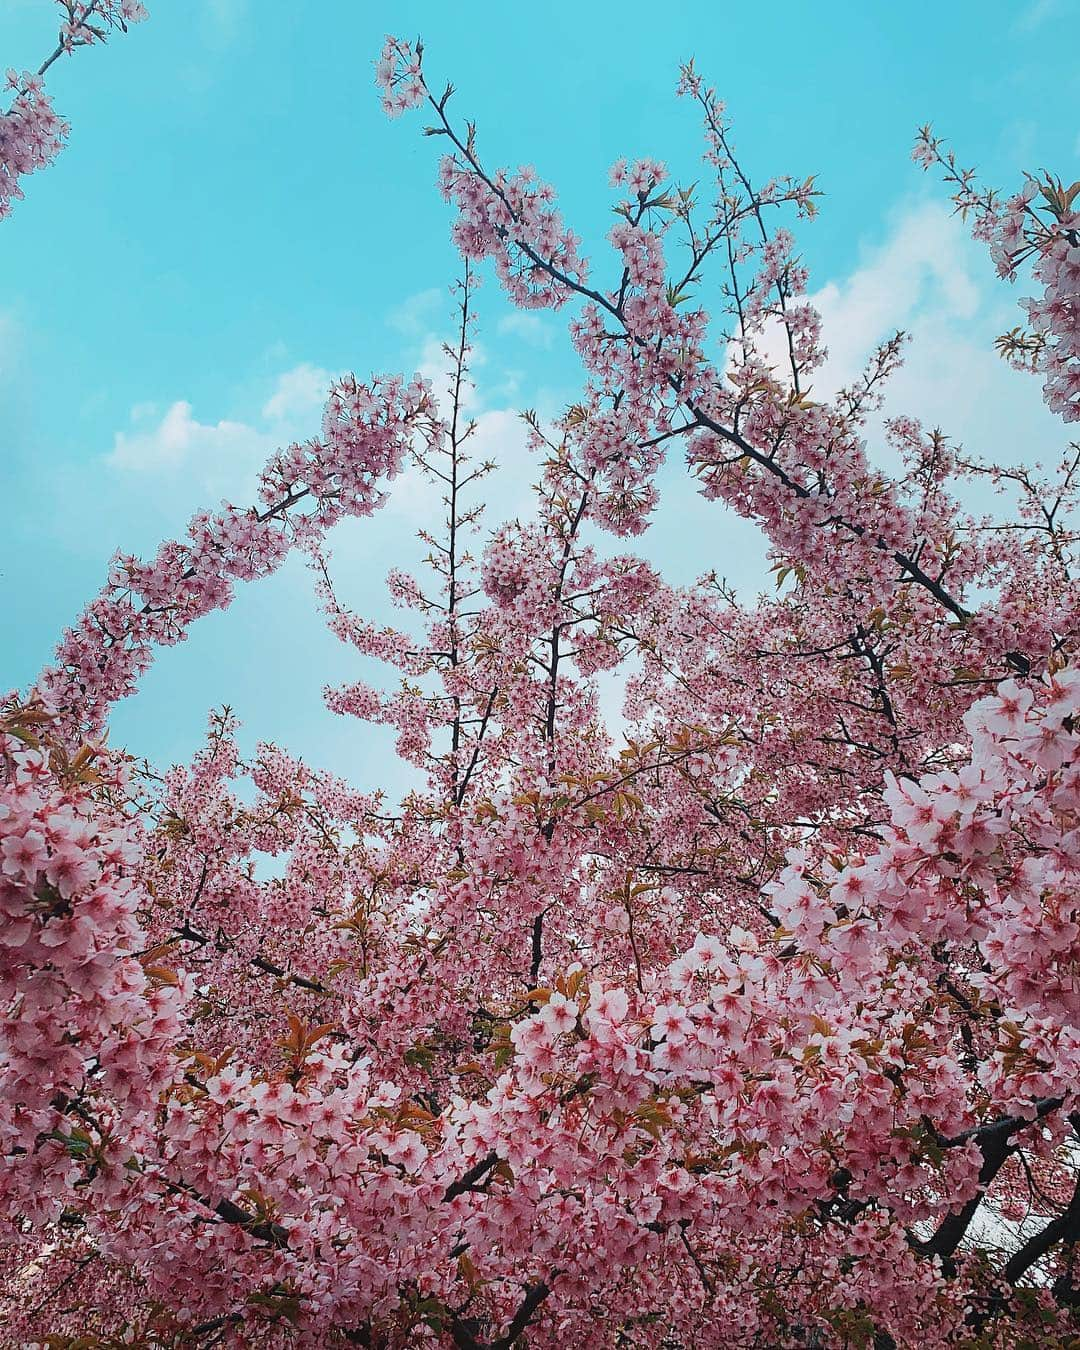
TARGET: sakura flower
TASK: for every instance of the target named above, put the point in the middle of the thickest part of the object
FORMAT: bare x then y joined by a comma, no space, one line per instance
407,1150
559,1013
670,1021
23,855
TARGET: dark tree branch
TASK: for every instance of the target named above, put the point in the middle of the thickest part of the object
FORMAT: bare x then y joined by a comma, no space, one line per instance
470,1180
1065,1228
534,1296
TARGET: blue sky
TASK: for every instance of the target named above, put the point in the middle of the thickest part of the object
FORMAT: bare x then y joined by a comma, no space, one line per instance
234,219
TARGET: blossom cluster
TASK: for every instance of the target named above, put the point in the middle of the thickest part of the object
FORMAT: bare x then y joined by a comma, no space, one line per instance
32,134
1039,224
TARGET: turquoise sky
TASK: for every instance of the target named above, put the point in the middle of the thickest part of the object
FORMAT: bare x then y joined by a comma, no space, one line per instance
234,218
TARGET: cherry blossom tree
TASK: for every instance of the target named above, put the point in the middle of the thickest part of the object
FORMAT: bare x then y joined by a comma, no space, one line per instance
752,1021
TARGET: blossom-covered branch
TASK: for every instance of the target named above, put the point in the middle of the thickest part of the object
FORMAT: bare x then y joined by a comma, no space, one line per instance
31,132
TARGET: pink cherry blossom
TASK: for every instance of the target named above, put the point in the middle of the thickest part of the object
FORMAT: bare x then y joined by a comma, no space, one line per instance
748,1018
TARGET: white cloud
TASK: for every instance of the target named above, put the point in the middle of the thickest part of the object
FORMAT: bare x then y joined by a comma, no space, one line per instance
180,440
924,266
414,315
528,327
930,279
501,436
300,392
223,457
